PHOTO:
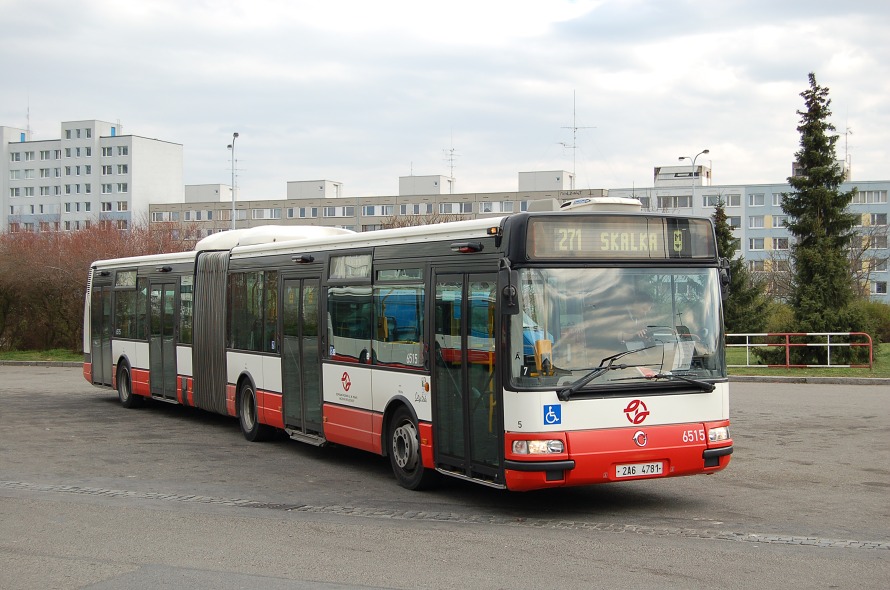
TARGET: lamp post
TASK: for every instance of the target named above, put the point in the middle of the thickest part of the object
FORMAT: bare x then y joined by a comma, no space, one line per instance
231,146
693,170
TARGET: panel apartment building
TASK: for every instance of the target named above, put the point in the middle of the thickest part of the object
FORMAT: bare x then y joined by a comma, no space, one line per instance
754,210
92,174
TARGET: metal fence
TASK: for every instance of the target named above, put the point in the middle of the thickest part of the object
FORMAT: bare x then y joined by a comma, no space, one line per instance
795,340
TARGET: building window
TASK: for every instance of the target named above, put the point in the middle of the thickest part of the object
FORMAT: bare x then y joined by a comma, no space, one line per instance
779,220
29,191
44,155
755,243
877,265
107,170
123,168
339,212
123,150
879,288
878,219
868,197
88,188
755,200
734,222
755,222
87,206
107,151
122,187
780,243
456,208
266,213
14,192
710,200
675,202
106,189
89,132
121,205
29,156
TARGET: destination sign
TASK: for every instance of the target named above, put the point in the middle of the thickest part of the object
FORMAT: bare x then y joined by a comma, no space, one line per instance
621,237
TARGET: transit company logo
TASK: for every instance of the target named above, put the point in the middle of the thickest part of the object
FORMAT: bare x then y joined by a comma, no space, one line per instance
636,412
345,381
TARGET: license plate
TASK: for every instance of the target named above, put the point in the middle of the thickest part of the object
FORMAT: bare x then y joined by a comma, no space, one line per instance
639,469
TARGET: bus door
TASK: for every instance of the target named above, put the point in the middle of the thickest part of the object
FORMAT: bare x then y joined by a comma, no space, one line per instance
162,339
300,358
100,333
466,423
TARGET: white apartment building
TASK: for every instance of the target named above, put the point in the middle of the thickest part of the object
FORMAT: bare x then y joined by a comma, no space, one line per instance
755,213
92,174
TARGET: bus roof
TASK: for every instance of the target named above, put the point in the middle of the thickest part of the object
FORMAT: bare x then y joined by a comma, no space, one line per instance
381,237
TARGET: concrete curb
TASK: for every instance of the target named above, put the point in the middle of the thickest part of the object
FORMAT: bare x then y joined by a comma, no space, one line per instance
810,380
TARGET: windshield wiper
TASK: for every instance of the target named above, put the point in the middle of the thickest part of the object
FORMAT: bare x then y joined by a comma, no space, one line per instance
607,364
704,386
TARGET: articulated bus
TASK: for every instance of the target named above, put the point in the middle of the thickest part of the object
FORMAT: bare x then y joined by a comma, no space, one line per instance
548,348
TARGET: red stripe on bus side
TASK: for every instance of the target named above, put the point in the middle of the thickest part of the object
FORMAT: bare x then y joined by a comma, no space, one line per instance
269,408
351,427
230,399
88,372
426,444
139,382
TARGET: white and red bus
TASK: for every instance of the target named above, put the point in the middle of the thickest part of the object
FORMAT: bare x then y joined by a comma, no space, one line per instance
542,349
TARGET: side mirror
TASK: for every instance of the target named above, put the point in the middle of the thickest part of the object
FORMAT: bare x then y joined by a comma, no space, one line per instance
725,278
508,287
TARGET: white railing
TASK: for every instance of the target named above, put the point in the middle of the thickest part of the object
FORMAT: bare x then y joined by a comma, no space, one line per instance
791,340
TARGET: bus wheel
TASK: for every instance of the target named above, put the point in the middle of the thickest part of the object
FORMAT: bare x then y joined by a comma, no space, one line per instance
248,416
404,452
125,388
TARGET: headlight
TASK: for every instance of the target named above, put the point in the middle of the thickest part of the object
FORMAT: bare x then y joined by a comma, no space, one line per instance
718,434
538,447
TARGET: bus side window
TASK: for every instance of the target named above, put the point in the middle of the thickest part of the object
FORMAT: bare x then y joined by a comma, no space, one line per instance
349,310
398,312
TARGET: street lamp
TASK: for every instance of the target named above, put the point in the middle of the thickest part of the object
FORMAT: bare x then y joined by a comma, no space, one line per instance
693,170
231,146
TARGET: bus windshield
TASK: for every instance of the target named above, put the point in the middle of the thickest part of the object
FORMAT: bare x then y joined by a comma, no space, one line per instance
663,323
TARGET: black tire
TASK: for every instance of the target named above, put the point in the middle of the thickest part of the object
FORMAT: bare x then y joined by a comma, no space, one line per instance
248,417
125,388
404,452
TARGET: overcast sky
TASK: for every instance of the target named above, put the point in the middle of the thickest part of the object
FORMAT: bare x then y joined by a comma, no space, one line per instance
363,92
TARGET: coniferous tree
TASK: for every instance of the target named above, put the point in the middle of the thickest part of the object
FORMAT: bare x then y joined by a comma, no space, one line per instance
745,310
822,289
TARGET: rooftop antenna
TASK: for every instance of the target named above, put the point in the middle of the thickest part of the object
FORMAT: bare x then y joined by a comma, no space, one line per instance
450,155
574,144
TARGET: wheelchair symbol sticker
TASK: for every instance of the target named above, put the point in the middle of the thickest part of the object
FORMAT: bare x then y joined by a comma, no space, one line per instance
552,415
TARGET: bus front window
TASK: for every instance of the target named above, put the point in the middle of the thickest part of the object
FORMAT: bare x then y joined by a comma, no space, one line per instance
666,320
